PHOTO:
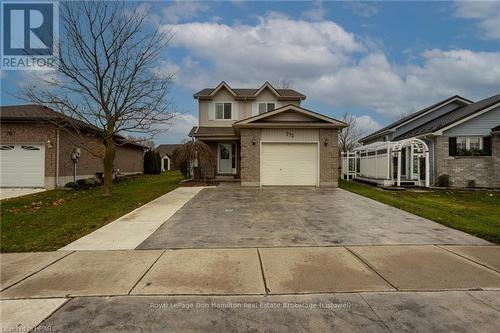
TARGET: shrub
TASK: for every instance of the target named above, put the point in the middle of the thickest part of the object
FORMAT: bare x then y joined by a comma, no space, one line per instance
72,185
152,162
444,180
471,183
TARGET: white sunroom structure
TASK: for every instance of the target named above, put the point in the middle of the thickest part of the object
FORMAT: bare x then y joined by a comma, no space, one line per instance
389,163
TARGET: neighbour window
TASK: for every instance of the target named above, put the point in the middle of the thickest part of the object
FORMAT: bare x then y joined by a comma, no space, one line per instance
223,111
469,143
266,107
461,143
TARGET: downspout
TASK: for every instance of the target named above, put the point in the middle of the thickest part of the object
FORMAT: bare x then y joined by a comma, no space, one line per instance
57,158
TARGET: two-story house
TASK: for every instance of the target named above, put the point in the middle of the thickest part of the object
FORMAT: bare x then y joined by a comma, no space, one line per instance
263,136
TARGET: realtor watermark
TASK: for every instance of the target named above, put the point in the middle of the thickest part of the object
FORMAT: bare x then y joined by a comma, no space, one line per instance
252,305
30,35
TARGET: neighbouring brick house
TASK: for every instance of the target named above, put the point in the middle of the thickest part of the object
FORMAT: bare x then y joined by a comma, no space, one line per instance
462,138
36,149
262,136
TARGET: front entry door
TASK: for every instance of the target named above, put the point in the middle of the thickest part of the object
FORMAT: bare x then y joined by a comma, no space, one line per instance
225,153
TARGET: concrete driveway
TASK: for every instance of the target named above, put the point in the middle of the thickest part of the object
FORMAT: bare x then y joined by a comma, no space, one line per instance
233,216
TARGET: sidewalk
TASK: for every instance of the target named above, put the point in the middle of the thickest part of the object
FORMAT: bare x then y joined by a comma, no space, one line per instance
27,278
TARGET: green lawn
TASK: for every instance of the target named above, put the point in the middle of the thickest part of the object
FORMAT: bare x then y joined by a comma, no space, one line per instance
477,213
49,220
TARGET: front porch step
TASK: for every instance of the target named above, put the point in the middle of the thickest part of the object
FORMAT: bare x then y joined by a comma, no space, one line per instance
228,178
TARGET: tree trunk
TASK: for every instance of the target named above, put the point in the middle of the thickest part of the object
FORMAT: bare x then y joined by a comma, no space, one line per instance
108,163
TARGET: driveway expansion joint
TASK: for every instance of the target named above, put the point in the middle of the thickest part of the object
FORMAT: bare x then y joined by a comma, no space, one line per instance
262,271
362,260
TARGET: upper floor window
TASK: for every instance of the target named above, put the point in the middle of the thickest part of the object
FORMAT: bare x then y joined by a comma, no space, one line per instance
223,111
266,107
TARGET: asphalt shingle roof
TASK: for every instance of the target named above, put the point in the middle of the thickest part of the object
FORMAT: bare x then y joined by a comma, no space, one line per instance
450,117
211,131
409,117
250,92
35,113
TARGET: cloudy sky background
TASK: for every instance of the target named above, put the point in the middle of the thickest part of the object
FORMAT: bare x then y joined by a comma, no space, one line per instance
375,60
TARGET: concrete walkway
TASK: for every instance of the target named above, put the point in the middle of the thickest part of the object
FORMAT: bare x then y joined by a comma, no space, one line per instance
127,232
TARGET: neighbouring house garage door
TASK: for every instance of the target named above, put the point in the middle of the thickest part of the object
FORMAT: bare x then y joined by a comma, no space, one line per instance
22,165
289,164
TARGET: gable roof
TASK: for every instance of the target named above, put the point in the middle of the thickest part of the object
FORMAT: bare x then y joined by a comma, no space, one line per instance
249,93
330,122
37,113
452,117
456,98
211,131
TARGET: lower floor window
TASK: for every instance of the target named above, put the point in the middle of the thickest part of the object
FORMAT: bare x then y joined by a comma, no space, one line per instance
469,143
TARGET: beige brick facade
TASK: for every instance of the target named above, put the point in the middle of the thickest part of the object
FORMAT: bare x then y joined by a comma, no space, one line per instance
128,159
250,157
329,157
484,170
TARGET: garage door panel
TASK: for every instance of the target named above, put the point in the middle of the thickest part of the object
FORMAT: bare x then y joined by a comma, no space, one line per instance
22,165
289,164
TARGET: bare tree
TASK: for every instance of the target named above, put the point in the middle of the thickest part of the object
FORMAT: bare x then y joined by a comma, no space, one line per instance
350,135
106,78
282,83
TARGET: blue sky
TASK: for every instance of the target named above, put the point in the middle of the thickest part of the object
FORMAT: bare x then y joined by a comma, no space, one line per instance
377,60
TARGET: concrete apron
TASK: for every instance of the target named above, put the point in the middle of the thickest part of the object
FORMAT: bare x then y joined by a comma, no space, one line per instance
127,232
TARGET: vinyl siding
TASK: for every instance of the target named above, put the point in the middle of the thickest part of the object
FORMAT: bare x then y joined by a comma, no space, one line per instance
480,125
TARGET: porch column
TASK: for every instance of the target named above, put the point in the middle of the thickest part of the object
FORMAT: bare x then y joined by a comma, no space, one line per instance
427,169
398,182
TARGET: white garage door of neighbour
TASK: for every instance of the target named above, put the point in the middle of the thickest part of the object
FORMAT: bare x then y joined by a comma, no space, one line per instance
22,165
290,164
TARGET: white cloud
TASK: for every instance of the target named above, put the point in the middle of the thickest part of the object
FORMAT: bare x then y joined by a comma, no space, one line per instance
364,9
180,10
486,12
178,130
317,13
367,124
275,45
329,64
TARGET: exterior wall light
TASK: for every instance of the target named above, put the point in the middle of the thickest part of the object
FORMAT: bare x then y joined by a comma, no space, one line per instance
326,141
49,144
254,141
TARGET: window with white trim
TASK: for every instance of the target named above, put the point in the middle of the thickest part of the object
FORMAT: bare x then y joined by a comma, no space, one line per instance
469,143
266,107
223,111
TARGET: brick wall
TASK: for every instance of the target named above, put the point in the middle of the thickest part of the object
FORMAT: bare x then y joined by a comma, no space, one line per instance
250,157
128,159
329,157
495,149
461,169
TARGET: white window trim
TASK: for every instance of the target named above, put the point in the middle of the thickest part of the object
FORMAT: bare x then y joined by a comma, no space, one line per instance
467,141
223,102
266,102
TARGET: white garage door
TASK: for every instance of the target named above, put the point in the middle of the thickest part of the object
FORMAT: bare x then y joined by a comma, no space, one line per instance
290,164
22,165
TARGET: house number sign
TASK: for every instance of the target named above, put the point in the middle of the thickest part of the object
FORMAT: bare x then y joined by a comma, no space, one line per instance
290,134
